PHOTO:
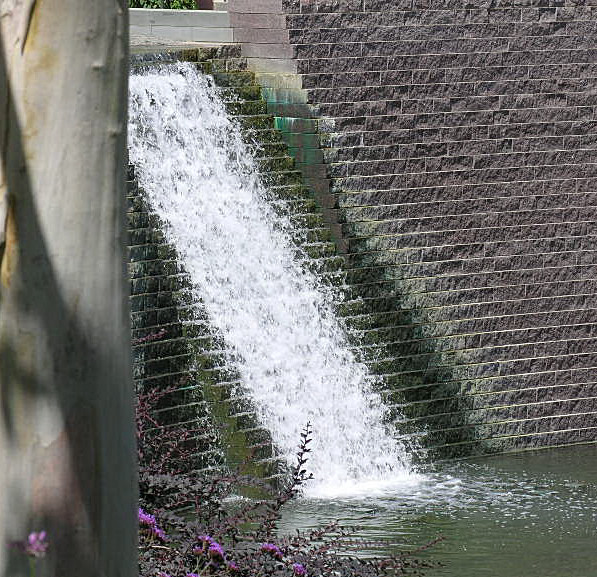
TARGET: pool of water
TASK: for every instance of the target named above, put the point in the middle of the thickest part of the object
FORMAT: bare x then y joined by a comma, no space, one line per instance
524,515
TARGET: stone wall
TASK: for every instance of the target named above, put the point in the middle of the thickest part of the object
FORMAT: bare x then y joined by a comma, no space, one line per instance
452,146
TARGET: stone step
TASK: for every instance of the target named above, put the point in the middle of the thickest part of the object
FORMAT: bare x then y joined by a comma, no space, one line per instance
306,220
255,122
379,320
478,333
548,439
287,192
224,65
282,177
494,236
490,280
449,428
364,306
266,149
485,256
578,398
463,273
239,93
295,206
319,249
264,136
470,221
467,296
467,349
464,207
318,235
325,266
246,107
271,164
234,78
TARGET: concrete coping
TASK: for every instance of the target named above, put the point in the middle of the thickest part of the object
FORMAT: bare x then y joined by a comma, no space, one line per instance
185,18
181,25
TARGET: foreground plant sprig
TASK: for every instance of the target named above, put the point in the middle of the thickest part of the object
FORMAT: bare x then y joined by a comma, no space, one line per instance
35,546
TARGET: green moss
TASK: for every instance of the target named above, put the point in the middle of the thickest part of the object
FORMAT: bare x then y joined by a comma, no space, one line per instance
276,164
246,108
234,79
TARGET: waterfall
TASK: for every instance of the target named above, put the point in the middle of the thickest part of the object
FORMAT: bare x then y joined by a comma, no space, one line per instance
275,316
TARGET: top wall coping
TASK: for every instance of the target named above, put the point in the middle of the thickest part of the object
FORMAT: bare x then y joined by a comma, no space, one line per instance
182,18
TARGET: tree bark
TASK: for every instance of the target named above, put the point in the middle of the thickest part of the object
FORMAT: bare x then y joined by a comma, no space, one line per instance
66,421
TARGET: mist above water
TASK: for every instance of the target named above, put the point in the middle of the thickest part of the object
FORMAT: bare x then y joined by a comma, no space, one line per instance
275,316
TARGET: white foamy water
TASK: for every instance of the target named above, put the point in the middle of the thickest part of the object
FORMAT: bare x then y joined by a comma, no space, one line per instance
276,318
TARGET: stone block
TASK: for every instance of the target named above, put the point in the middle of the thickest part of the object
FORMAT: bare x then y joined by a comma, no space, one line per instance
260,36
258,20
256,6
191,34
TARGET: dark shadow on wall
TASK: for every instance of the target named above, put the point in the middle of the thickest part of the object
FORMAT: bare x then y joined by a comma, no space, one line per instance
425,403
165,330
70,467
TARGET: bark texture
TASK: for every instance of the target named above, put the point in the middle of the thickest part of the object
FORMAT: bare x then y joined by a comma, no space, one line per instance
66,424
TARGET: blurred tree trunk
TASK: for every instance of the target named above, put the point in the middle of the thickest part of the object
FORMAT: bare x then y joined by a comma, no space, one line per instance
66,420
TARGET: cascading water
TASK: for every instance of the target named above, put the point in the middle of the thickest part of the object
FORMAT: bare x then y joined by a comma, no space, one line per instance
276,318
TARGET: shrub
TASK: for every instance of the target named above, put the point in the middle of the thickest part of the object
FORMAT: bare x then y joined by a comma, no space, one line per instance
186,531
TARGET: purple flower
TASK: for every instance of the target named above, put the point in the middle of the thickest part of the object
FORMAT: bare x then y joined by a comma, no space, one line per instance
272,549
299,569
159,533
216,551
147,520
36,545
192,575
232,566
162,574
206,543
205,539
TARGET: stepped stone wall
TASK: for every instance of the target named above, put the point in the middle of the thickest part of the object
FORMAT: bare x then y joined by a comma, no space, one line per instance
175,347
452,145
162,340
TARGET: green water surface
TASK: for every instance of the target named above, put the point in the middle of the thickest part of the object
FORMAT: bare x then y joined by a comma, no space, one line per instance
532,514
